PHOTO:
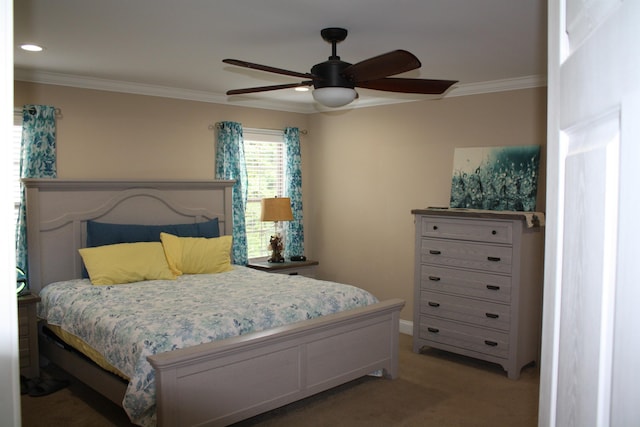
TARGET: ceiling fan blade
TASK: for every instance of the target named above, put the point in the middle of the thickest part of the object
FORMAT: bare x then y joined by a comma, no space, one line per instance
266,68
268,88
422,86
387,64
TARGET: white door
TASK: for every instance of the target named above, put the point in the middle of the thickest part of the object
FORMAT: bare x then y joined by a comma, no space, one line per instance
590,364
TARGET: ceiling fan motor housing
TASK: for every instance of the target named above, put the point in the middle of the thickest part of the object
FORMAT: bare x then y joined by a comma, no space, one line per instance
329,74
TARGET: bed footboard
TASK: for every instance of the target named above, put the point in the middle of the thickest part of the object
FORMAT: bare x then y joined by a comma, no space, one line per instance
224,382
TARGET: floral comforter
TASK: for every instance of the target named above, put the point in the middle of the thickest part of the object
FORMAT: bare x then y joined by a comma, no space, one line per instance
127,323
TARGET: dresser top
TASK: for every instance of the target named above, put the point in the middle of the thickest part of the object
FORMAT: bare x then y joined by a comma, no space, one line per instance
533,219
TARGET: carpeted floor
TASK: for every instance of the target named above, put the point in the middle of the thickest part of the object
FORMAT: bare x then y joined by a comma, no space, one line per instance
434,389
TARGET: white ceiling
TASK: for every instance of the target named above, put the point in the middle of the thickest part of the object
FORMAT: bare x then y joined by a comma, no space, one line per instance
175,47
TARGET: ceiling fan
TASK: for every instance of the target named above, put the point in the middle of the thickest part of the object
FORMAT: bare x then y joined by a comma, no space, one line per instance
334,80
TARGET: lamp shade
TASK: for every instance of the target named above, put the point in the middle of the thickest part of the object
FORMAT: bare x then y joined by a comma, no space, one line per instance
334,96
276,209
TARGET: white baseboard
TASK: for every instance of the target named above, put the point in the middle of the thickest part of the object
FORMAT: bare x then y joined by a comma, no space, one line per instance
406,327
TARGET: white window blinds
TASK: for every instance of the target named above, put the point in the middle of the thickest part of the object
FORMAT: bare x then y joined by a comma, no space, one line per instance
265,159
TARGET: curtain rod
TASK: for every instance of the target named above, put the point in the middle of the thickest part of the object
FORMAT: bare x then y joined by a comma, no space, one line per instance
57,110
258,130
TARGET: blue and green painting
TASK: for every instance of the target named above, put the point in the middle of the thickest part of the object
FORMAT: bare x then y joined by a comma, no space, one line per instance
495,178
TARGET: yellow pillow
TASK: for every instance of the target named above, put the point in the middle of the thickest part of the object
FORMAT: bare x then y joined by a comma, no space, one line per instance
197,255
126,263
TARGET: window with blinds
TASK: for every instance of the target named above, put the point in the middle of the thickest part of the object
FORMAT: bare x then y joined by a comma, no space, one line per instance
266,167
15,142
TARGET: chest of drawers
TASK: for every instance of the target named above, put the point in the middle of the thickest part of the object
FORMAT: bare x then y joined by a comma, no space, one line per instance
478,285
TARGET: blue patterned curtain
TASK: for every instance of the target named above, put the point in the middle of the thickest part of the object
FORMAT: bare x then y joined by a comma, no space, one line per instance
230,164
37,160
294,230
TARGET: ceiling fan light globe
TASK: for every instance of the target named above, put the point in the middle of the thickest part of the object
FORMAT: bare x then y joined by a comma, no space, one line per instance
334,96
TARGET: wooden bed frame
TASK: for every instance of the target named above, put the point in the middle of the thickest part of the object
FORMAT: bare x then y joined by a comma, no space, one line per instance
216,383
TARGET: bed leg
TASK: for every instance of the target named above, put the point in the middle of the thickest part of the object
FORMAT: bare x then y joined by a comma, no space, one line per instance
392,371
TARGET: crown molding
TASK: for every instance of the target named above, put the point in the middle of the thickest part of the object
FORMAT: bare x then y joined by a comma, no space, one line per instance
518,83
82,82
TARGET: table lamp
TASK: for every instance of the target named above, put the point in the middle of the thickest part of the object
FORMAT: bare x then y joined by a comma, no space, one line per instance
276,209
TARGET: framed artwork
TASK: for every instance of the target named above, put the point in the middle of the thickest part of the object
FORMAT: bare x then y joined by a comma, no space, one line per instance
495,178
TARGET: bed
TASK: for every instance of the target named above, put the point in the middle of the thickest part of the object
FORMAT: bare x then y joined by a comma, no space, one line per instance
218,382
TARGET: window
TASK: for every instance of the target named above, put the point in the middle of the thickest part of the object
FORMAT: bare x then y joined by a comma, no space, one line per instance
15,142
265,159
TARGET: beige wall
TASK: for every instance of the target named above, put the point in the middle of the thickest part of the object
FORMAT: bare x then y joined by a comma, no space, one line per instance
113,135
363,170
370,167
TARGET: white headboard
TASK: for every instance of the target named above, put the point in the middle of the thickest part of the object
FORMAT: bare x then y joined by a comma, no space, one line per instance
58,210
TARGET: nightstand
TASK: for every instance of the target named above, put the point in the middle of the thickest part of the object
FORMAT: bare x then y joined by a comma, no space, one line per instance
303,268
28,335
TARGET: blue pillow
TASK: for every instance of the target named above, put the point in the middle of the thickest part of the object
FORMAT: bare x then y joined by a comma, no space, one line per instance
101,233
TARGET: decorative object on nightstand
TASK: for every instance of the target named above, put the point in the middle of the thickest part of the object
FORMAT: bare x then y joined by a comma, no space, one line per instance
276,209
22,285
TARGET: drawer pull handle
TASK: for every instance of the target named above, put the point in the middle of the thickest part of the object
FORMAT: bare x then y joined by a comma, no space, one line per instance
494,232
295,273
435,227
434,278
434,330
493,287
492,315
493,258
434,304
491,343
434,252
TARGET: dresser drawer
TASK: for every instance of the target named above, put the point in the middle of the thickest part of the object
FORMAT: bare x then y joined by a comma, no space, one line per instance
475,230
25,356
486,341
475,284
477,256
23,321
480,313
28,336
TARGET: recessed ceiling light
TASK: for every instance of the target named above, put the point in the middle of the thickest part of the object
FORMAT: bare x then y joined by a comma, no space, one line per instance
302,88
31,47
